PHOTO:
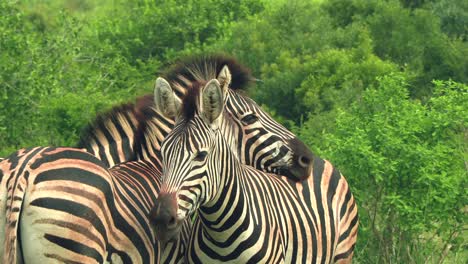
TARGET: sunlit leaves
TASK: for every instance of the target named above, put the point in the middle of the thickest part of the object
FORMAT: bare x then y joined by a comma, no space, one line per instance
405,154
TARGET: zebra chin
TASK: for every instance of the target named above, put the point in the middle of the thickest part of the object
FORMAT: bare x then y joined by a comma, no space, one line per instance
163,218
166,235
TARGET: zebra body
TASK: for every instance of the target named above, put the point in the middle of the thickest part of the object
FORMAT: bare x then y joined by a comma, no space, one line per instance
273,220
146,127
64,205
245,215
3,196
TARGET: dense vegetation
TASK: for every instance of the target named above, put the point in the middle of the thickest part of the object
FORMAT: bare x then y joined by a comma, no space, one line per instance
377,87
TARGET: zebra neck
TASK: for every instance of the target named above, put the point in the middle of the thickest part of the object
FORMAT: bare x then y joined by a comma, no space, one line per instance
230,132
229,211
152,130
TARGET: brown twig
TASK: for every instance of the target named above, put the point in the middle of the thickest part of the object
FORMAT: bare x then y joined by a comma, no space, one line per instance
447,246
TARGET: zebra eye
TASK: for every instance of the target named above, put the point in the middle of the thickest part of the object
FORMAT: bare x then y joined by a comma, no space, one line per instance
201,155
249,119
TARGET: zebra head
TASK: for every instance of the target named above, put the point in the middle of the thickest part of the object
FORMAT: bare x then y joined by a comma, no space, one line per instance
263,143
192,162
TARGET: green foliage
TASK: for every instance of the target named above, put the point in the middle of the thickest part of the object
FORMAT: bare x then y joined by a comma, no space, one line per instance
56,62
453,17
409,37
15,61
41,71
295,27
405,166
161,28
301,31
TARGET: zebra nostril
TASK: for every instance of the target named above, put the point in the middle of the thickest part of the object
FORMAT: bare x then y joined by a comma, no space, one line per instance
172,221
304,161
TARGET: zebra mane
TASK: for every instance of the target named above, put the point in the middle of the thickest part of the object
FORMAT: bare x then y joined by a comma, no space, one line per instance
102,121
183,75
190,105
190,99
145,113
203,68
187,77
142,119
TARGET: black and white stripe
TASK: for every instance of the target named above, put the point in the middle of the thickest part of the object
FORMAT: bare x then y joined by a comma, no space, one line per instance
110,137
246,215
64,205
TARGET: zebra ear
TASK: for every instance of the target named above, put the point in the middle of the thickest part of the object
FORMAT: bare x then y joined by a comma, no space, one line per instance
165,100
224,78
212,102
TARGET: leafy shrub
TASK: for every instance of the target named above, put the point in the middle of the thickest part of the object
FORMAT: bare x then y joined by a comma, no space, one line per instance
411,38
55,74
405,163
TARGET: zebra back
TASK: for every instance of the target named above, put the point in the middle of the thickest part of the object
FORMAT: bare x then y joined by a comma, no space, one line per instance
63,204
111,135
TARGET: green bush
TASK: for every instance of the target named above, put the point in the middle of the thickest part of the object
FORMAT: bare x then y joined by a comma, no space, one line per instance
405,162
412,38
53,83
161,29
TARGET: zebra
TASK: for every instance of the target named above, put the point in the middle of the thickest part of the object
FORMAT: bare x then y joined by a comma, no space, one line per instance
245,215
63,205
139,129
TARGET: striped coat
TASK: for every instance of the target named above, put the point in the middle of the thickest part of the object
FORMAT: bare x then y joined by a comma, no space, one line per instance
246,215
64,205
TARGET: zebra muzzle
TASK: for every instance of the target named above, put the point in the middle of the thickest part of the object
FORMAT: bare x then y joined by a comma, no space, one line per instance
164,219
302,160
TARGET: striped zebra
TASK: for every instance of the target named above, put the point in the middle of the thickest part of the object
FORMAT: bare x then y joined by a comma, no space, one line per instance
245,215
139,129
63,205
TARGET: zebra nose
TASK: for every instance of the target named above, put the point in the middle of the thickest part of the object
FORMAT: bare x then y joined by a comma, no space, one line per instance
164,212
302,164
303,161
164,217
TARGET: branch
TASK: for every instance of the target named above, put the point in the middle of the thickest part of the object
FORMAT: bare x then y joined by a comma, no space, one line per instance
447,246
